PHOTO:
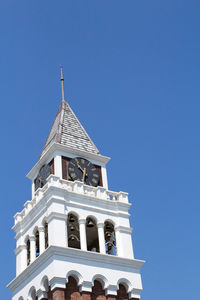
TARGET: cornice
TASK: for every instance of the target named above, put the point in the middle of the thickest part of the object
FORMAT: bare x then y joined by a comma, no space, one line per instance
124,229
65,150
73,199
53,252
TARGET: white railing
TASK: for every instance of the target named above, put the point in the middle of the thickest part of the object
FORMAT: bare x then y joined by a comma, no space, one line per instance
70,186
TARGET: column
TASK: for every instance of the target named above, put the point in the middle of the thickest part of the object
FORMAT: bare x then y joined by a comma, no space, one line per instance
32,248
41,239
101,238
58,166
23,257
83,234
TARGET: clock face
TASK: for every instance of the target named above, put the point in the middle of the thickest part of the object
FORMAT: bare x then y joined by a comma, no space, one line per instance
44,172
83,170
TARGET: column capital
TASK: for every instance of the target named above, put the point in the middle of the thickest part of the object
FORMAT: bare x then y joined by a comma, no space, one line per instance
57,282
82,221
86,286
32,238
135,294
111,290
20,248
41,228
42,295
100,225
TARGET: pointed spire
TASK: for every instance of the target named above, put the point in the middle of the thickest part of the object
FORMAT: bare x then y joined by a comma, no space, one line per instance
62,83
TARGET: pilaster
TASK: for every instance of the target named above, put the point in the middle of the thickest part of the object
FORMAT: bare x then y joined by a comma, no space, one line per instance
101,238
82,229
58,166
32,248
41,239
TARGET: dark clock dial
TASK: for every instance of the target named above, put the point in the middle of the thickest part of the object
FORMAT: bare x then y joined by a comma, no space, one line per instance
83,170
40,180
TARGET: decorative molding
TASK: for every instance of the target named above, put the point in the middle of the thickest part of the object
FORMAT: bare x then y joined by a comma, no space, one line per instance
111,290
57,282
123,229
42,294
135,294
86,286
100,225
56,215
61,195
82,221
52,253
19,249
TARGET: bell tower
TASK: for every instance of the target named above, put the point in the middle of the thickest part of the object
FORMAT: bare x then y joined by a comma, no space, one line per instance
73,238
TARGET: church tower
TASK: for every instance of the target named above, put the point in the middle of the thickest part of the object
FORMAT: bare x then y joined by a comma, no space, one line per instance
73,238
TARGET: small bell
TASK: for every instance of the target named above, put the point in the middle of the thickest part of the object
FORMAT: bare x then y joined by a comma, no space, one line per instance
90,223
72,228
71,219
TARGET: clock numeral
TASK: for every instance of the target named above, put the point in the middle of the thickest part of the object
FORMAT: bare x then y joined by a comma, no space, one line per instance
72,163
83,161
96,175
88,163
73,175
71,169
94,180
93,169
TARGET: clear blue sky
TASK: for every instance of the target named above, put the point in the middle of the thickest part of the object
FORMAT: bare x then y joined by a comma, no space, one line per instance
132,73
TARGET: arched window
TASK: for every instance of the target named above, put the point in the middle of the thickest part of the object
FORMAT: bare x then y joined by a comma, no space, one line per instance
72,289
109,234
28,252
33,294
46,235
97,291
73,231
122,293
92,235
37,244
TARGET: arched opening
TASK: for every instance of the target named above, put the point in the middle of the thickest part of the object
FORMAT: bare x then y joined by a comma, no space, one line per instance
32,294
46,235
28,251
97,291
109,234
92,235
73,231
72,289
37,244
122,293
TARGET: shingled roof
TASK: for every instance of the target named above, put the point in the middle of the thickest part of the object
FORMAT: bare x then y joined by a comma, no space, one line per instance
67,130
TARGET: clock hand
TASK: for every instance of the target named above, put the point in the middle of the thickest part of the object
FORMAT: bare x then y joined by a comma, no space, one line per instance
80,167
83,170
84,174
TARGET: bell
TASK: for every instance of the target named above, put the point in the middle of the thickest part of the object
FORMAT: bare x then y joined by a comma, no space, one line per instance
90,223
71,219
108,227
108,235
72,228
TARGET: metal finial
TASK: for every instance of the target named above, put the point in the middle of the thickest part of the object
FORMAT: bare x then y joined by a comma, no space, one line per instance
62,83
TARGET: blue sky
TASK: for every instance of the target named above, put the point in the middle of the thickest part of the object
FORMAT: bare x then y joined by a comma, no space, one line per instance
132,77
